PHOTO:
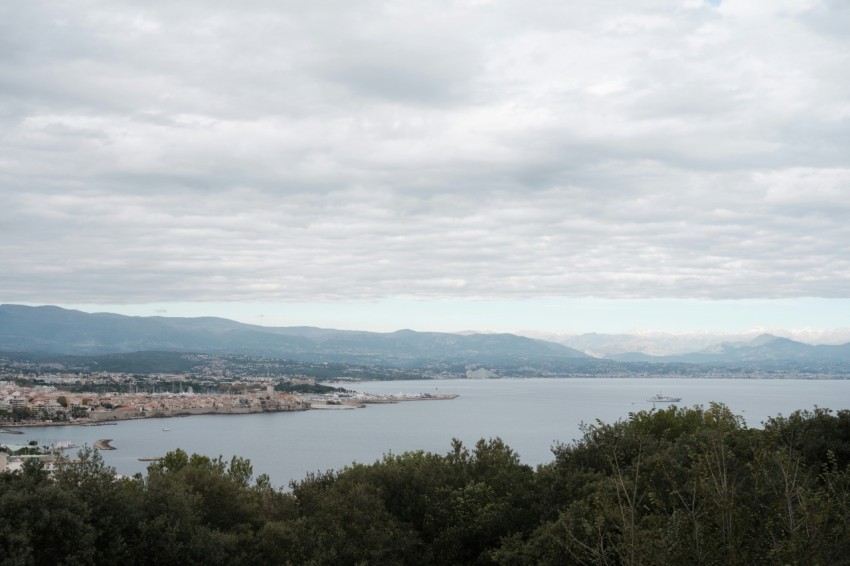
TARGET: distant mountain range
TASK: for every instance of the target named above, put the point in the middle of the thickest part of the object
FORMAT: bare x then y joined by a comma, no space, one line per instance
54,330
658,343
50,329
764,348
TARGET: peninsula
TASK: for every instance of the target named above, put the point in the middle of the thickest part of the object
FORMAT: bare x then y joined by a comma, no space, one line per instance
48,406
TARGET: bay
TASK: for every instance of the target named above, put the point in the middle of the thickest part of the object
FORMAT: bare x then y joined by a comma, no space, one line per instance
530,415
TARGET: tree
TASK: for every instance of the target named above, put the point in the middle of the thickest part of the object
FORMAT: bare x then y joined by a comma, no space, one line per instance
676,486
112,504
41,523
78,412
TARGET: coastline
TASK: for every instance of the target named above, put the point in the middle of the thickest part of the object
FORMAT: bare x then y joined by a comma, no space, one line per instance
112,417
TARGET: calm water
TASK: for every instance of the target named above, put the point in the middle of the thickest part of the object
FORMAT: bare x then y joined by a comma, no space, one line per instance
529,414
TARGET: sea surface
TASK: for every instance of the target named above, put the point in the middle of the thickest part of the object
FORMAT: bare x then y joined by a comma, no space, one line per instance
530,415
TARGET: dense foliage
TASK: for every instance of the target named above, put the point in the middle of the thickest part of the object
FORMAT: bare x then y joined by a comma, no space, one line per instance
309,388
674,486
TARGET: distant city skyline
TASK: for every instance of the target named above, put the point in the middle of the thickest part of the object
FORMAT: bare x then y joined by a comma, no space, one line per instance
562,167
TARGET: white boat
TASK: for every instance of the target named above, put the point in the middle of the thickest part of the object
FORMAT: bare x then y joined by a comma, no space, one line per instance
663,399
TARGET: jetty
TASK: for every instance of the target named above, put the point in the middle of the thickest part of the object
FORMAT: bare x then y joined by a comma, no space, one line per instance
104,444
7,431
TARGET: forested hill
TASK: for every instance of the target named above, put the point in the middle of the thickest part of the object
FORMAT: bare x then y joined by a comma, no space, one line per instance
42,332
55,330
678,486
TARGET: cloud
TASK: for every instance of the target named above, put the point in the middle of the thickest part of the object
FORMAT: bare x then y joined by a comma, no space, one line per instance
196,151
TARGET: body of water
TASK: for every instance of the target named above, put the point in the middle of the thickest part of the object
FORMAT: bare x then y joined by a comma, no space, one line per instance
530,415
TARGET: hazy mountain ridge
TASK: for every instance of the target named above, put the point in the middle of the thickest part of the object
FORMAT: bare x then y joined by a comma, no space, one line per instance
763,348
62,331
659,343
59,331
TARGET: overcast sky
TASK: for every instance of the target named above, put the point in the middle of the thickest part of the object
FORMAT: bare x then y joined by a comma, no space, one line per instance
498,165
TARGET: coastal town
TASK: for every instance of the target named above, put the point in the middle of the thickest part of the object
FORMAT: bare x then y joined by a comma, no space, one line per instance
49,404
100,399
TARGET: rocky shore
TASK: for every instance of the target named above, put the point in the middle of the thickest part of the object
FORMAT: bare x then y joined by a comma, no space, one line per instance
167,406
98,418
104,444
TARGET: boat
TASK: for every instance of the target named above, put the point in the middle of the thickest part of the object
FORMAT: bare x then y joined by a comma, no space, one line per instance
166,430
663,399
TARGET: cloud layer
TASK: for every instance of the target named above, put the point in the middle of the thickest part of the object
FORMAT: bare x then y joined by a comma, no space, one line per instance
290,151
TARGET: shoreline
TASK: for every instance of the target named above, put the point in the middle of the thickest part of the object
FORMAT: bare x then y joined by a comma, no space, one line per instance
114,417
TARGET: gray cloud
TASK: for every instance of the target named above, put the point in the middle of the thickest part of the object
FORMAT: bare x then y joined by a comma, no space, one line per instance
197,151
